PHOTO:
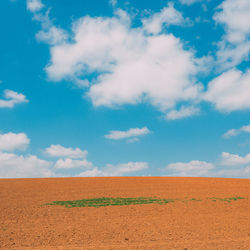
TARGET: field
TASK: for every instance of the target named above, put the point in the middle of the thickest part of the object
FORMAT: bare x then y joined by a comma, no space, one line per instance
125,213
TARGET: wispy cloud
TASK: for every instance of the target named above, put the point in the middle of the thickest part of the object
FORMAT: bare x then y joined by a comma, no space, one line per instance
116,170
11,99
167,16
182,113
234,132
132,133
189,2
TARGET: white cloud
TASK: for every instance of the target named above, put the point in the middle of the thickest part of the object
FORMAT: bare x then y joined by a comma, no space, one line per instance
234,132
229,56
52,35
131,66
167,16
60,151
229,165
192,168
34,5
235,46
49,33
236,173
235,15
230,91
182,113
19,166
11,99
133,132
228,159
11,141
189,2
69,163
116,170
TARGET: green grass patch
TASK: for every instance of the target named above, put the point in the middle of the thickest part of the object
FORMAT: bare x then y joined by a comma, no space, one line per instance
108,201
227,199
105,201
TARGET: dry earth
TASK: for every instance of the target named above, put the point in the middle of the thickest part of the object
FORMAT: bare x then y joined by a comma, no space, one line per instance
26,224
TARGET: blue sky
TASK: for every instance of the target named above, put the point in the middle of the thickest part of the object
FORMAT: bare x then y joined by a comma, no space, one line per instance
115,88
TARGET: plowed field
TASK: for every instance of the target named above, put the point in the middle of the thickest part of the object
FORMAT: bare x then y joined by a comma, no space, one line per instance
195,220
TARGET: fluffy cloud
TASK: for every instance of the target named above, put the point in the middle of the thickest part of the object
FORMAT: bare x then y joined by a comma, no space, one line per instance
129,64
69,163
60,151
230,91
116,170
167,16
133,132
34,5
11,141
235,16
192,168
234,132
229,165
234,159
235,46
182,113
19,166
12,98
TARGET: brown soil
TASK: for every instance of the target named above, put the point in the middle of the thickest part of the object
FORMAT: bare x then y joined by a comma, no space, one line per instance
25,224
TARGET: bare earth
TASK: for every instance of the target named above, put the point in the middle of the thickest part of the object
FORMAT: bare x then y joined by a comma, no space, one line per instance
26,224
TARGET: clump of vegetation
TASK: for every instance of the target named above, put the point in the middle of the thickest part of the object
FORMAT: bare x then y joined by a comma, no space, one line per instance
104,201
227,199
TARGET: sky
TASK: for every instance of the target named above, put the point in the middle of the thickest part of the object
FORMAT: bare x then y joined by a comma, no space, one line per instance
124,88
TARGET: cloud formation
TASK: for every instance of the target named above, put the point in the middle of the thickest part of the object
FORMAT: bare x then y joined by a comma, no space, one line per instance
19,166
131,133
230,91
167,16
235,44
60,151
11,99
234,159
229,165
26,166
34,5
68,163
183,112
11,141
234,132
116,170
192,168
130,64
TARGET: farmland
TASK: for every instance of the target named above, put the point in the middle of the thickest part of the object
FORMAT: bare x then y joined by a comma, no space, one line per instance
125,213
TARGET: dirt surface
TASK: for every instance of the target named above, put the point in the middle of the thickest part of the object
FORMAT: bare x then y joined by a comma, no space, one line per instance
205,224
